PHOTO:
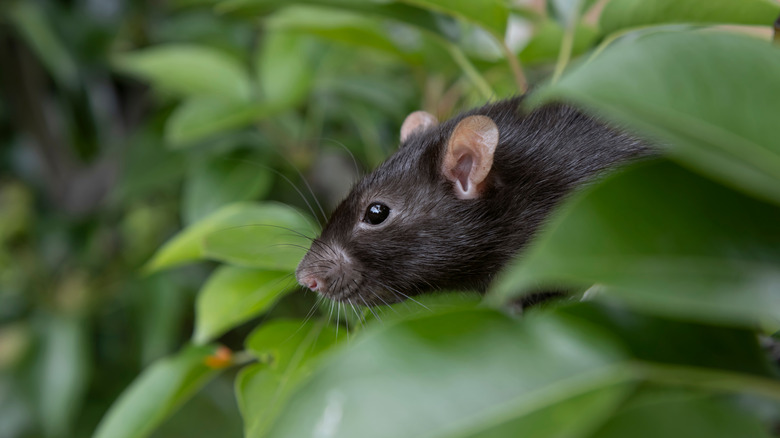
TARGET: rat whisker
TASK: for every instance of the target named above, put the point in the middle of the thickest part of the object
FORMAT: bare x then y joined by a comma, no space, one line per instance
371,291
357,315
370,309
305,182
292,230
413,300
297,233
283,176
358,173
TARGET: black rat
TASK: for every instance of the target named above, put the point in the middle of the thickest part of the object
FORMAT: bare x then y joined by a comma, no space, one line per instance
458,200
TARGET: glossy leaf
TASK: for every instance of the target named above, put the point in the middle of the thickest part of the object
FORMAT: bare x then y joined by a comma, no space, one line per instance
234,295
276,242
458,373
212,184
156,393
283,73
288,349
199,118
490,14
189,70
249,233
675,412
419,17
337,25
659,237
423,305
668,341
621,14
683,88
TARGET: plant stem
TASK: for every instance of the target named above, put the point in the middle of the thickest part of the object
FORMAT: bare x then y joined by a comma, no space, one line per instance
564,55
517,69
471,72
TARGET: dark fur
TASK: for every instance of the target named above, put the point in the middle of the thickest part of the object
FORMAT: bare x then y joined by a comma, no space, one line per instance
432,240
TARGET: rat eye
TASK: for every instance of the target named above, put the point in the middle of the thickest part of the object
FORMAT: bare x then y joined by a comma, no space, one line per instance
376,213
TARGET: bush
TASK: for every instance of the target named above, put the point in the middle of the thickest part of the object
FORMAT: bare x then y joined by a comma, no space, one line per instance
155,163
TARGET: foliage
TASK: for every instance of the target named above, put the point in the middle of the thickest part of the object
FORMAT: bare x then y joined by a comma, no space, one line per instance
155,199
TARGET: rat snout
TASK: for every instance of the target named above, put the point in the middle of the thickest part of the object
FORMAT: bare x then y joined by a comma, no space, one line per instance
310,281
327,270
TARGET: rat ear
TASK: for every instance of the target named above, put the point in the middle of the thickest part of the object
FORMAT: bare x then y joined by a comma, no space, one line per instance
418,120
469,155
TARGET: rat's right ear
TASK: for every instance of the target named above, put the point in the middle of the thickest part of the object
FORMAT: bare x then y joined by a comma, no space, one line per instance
418,120
469,155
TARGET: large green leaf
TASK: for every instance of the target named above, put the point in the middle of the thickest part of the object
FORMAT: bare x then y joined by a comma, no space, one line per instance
477,373
710,95
659,340
460,374
620,14
274,242
664,239
284,69
338,25
156,393
673,412
233,295
415,16
201,117
214,183
288,349
490,14
264,235
189,70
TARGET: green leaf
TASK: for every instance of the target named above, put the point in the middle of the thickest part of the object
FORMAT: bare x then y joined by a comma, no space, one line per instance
621,14
63,373
284,69
271,242
490,14
668,341
685,89
189,70
415,16
198,118
674,412
461,373
261,226
423,305
234,295
156,394
338,25
662,239
214,183
546,42
288,349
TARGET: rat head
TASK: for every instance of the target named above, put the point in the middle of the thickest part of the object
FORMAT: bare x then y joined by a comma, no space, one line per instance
417,223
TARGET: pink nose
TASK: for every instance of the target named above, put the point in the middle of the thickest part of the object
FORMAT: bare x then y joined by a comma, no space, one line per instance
311,282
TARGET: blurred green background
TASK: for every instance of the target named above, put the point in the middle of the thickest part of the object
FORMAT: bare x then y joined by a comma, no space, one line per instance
123,122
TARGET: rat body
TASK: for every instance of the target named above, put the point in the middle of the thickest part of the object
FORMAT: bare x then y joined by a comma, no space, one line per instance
458,200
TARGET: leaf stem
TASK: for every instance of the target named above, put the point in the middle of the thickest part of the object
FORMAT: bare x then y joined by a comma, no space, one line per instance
468,68
517,69
564,54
